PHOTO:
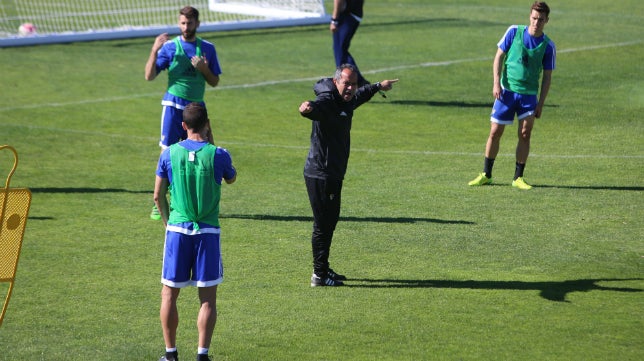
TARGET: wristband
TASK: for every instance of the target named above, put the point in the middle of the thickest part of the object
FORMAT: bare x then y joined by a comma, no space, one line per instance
379,86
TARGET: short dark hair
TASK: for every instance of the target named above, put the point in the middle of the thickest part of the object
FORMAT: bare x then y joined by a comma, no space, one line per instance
195,116
338,71
189,12
541,7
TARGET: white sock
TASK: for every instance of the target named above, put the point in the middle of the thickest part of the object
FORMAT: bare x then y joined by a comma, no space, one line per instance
172,349
202,351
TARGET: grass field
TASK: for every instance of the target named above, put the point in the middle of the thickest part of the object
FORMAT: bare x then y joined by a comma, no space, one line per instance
439,271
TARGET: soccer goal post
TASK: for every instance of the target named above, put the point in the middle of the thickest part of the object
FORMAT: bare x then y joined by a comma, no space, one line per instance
62,21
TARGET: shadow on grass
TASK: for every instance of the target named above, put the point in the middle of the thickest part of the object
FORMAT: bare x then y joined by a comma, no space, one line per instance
553,291
592,188
608,188
258,217
85,190
40,218
267,217
453,104
433,103
69,190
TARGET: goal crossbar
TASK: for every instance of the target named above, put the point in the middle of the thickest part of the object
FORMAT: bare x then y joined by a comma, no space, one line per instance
262,11
214,16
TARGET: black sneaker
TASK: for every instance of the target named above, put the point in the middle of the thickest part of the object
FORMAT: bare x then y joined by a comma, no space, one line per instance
170,356
335,276
203,357
326,281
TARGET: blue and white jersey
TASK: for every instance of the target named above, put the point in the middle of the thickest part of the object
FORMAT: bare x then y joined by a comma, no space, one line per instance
530,42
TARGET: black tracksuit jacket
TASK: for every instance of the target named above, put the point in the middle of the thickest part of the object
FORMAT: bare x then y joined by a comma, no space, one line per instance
331,129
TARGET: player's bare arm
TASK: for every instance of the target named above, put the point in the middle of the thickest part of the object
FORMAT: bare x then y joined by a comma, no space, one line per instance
160,199
496,71
150,66
546,78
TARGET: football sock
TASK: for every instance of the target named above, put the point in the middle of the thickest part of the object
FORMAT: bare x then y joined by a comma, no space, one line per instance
487,167
518,171
202,351
171,353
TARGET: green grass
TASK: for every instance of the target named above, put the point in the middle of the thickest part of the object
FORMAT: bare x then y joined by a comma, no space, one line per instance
439,271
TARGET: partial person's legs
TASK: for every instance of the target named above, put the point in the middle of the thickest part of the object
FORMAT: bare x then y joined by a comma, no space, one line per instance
491,151
169,315
524,134
493,140
523,149
207,315
342,41
325,199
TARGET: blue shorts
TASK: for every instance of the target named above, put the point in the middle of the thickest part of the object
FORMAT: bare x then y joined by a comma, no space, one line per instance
171,119
171,129
192,260
511,104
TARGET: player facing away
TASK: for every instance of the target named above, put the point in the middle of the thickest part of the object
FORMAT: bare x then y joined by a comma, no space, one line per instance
191,62
192,170
523,54
331,115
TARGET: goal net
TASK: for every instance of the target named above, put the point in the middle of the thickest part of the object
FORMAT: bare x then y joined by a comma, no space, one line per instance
60,21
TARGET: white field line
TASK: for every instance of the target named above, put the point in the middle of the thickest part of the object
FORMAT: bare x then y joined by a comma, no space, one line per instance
440,153
299,80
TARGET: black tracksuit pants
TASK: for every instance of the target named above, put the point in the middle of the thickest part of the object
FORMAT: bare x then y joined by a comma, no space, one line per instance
325,197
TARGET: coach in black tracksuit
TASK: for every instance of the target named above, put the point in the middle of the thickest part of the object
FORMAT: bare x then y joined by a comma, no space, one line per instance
331,113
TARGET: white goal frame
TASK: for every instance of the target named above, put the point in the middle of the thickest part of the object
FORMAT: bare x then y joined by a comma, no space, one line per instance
214,15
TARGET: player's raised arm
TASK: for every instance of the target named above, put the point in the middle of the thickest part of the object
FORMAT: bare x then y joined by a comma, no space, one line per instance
151,64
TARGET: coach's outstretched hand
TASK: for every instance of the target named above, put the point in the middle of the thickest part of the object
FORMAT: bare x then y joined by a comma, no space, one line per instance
387,85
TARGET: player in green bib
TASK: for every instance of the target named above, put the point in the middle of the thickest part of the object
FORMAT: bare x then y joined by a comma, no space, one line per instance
192,170
524,55
191,63
195,196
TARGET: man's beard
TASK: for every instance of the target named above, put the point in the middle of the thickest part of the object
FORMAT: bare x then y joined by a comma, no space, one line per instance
189,34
